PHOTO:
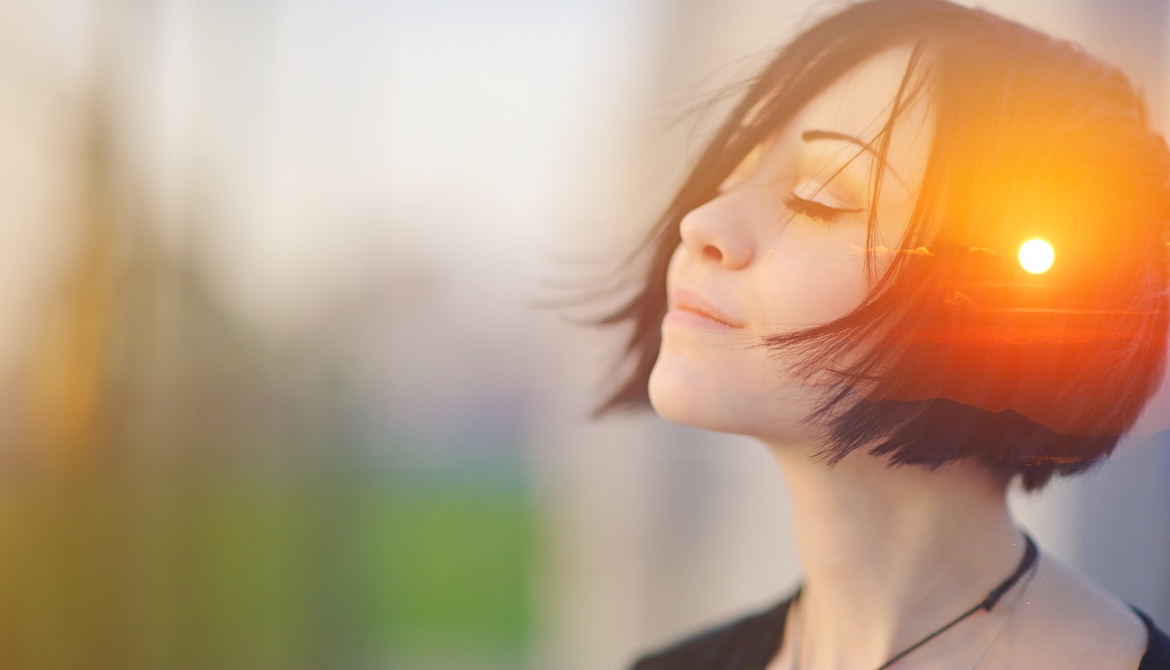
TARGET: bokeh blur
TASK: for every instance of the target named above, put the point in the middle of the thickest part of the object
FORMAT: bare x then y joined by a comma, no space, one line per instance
291,372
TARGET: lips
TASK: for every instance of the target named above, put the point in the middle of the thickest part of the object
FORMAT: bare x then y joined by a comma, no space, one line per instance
689,304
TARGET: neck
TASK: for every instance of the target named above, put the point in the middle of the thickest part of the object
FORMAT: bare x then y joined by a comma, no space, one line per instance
891,554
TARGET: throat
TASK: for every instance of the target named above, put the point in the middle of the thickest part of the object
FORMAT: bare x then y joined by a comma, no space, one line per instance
894,558
1026,570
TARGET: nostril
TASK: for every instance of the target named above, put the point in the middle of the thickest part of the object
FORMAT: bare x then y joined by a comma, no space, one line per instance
712,253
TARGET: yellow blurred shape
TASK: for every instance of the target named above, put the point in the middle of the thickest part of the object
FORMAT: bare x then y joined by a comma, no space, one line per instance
1036,255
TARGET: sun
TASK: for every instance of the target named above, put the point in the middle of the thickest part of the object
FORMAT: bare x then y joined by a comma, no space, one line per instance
1036,255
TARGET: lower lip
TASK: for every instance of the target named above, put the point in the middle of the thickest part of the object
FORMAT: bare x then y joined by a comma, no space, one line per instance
682,317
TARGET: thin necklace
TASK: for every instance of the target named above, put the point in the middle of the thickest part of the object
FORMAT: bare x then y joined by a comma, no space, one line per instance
1029,563
1008,617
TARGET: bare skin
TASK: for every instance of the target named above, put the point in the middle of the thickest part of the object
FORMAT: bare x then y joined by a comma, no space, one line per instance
889,555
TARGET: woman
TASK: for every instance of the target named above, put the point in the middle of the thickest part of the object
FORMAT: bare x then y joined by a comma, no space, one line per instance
838,277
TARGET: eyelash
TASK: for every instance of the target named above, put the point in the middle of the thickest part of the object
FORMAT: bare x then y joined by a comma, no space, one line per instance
816,210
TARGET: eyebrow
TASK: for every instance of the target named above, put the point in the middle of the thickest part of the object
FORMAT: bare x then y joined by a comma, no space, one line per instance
815,135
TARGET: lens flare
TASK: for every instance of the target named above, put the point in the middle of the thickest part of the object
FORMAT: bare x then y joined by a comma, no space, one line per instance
1036,256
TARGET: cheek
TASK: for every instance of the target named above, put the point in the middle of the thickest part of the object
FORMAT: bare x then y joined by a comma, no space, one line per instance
810,290
838,293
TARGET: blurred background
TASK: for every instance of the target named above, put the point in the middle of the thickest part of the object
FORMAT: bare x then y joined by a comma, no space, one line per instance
281,386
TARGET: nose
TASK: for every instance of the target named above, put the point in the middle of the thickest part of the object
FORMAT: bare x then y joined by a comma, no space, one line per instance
715,232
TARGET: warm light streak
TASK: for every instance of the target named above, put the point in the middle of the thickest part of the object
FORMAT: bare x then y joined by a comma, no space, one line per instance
1036,256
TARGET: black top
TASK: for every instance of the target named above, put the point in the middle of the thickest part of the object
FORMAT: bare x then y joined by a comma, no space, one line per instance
751,642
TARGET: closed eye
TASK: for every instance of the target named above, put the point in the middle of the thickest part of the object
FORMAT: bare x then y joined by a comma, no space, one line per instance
817,210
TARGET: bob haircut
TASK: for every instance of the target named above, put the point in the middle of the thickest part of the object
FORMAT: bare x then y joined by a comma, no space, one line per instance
957,353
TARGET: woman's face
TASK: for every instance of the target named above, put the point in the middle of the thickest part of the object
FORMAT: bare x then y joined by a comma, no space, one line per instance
782,247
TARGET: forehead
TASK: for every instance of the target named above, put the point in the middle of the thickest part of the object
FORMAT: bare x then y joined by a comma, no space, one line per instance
859,104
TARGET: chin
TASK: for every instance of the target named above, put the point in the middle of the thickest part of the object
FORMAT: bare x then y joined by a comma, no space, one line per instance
684,394
775,412
682,397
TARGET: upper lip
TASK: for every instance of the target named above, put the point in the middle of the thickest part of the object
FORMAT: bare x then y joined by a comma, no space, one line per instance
688,300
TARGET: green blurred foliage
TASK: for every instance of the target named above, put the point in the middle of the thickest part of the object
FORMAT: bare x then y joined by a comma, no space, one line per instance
237,573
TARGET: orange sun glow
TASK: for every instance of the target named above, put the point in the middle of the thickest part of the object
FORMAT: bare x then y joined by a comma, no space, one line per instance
1036,255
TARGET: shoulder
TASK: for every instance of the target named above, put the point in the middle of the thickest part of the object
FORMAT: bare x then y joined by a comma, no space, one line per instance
1157,656
749,642
1070,623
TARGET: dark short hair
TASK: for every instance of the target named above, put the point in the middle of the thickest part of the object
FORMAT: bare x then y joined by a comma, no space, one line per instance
956,353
